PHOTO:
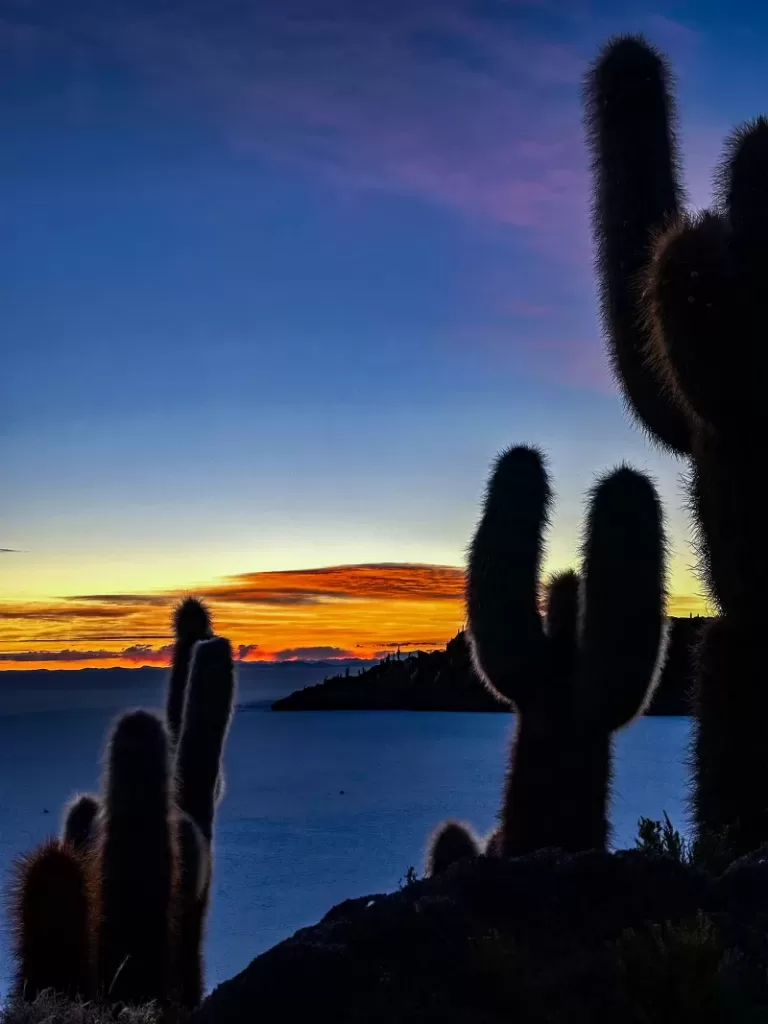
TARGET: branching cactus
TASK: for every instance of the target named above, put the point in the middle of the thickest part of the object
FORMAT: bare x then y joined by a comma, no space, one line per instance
117,907
137,864
682,301
585,668
52,910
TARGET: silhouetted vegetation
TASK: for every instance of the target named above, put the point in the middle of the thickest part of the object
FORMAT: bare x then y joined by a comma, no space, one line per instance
115,910
585,668
683,304
543,923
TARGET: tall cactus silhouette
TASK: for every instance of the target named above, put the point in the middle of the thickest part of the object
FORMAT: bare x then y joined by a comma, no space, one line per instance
584,669
137,864
207,713
51,910
682,303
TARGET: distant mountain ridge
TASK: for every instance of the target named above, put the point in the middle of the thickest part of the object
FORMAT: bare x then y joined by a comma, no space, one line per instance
446,681
127,676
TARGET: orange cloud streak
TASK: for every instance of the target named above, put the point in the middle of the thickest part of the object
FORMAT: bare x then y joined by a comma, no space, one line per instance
337,611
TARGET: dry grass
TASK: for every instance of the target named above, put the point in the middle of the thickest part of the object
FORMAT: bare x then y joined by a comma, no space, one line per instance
49,1008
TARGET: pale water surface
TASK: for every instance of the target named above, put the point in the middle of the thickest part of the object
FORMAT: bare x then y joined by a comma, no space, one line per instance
319,806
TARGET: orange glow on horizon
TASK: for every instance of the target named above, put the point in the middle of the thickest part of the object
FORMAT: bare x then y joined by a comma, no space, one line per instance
348,611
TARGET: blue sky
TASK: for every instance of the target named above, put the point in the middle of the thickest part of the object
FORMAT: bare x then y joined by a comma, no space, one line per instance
278,279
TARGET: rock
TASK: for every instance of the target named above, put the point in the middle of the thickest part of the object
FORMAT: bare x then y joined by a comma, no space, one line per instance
489,940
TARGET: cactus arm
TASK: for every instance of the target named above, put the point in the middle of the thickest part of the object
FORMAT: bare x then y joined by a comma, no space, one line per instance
623,620
207,713
80,825
504,625
630,128
562,620
191,623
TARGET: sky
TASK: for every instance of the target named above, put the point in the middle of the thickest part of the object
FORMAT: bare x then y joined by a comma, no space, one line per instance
278,280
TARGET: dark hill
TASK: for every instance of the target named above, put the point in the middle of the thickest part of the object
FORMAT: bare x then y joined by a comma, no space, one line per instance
445,681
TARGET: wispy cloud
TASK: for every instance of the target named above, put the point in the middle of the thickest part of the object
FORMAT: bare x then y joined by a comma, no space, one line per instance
138,654
312,654
460,104
469,110
9,551
376,581
269,615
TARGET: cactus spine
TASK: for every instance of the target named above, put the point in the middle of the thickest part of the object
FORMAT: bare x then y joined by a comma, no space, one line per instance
682,302
586,668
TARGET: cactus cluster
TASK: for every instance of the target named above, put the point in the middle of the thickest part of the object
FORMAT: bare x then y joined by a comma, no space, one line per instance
578,672
114,909
682,303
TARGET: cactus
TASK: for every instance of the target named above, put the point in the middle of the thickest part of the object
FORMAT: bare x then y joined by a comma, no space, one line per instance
137,863
450,843
207,713
682,302
191,622
50,908
80,826
584,670
190,909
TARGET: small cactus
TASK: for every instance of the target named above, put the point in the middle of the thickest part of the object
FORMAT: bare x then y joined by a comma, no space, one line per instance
583,670
451,842
51,910
137,863
81,822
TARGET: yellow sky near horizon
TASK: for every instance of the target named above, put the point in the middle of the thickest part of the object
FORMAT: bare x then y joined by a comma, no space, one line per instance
329,612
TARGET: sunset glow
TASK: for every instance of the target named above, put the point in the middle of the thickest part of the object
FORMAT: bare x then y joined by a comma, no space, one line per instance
350,611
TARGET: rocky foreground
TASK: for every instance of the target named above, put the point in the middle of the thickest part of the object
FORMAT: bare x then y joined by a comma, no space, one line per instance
622,937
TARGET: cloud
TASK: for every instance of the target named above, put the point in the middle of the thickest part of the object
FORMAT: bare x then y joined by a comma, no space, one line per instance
160,600
471,112
393,581
312,654
464,105
138,654
9,551
329,609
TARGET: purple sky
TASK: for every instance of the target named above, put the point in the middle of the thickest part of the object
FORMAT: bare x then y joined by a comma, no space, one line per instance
278,279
